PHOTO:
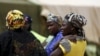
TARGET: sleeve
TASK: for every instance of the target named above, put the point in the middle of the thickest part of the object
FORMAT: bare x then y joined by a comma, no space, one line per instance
65,46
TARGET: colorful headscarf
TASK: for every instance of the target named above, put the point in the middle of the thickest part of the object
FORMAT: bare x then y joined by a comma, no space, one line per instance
14,19
76,20
54,18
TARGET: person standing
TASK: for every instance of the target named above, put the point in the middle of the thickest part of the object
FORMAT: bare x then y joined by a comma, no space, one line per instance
53,25
73,42
16,41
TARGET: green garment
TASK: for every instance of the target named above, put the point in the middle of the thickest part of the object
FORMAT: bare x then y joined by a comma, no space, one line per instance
91,50
38,36
50,37
48,40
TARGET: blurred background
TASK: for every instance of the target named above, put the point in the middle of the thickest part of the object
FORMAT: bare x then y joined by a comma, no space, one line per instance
39,9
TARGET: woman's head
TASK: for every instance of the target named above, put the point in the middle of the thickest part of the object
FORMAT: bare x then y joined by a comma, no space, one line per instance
28,22
14,19
73,24
53,23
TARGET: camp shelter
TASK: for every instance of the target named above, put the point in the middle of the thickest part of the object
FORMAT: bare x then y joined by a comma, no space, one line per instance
88,8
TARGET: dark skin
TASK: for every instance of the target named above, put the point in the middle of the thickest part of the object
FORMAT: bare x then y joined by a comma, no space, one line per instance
53,28
57,52
67,29
27,26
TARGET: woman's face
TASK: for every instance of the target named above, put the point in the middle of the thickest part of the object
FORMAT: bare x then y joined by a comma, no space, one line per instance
52,27
66,28
27,26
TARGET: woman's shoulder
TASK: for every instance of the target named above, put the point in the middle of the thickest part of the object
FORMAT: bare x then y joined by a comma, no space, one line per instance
5,35
70,37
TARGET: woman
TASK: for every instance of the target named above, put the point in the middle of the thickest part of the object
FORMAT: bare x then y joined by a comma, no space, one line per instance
16,41
73,42
53,25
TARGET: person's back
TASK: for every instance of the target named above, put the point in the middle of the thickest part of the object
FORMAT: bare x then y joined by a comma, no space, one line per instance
18,42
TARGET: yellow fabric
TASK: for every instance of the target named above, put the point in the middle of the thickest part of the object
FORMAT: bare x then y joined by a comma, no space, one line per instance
14,19
77,49
38,36
63,50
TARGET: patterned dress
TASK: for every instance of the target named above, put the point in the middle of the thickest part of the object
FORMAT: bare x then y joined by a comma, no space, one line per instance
20,43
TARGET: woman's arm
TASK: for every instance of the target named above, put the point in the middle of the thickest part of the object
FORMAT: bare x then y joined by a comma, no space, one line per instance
57,52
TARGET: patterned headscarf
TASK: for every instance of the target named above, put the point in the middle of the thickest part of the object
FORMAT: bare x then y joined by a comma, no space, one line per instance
14,19
54,18
77,20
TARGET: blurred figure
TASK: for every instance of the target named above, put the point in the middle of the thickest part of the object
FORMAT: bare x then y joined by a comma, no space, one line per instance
27,26
73,42
92,49
16,41
53,25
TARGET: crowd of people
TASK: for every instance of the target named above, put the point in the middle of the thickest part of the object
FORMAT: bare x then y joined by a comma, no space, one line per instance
68,36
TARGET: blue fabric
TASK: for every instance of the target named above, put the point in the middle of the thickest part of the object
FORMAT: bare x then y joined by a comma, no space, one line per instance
50,46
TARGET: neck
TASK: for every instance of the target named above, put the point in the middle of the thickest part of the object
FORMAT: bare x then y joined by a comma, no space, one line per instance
56,33
18,30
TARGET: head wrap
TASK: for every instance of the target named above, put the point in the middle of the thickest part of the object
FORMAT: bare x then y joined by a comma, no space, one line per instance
76,20
28,19
54,18
14,19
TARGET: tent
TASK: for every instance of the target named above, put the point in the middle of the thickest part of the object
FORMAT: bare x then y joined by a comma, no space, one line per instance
88,8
